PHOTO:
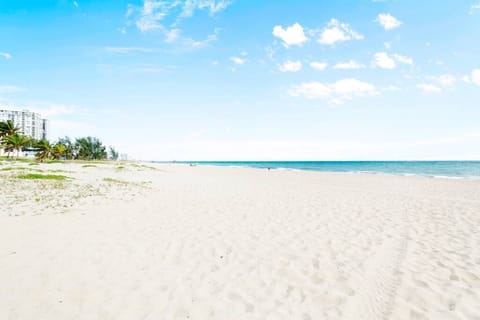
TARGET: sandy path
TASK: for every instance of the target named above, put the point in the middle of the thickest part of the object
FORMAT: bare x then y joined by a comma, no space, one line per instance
233,243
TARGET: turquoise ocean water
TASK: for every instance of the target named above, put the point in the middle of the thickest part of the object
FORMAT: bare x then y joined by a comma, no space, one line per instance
447,169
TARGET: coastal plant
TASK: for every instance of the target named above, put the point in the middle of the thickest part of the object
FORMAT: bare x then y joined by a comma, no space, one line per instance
45,150
37,176
59,151
111,180
15,142
7,129
90,148
113,153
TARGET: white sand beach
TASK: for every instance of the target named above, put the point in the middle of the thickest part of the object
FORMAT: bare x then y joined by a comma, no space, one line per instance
135,241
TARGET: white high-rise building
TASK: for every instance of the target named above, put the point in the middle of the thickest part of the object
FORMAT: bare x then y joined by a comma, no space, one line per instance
30,123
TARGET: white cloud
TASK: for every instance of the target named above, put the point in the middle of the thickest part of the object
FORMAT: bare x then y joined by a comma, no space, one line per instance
445,80
166,16
196,44
429,88
387,45
338,32
388,22
318,65
476,76
150,15
172,35
474,7
291,36
385,61
402,59
382,60
237,60
6,55
189,6
348,65
125,50
290,66
333,93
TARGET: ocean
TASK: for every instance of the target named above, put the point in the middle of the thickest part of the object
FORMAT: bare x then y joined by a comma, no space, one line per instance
445,169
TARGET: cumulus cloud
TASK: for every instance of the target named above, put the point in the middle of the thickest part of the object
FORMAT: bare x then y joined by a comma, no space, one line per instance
385,61
238,60
317,65
348,65
336,31
476,76
334,93
291,36
6,55
429,88
403,59
387,21
290,66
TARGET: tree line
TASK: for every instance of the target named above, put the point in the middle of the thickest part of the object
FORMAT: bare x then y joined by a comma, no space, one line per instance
13,142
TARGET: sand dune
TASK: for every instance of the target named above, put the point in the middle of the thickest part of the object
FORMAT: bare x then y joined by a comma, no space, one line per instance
179,242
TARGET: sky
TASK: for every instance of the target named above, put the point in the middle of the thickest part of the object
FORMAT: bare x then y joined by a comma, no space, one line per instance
250,80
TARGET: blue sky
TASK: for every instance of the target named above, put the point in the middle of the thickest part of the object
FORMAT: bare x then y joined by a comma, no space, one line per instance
250,80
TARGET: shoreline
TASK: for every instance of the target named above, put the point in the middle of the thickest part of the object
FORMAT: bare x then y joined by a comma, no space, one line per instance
406,174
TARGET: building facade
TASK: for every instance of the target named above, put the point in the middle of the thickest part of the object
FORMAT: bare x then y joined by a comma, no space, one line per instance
30,123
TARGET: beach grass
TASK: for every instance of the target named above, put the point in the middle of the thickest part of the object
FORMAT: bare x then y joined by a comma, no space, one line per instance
111,180
20,169
36,176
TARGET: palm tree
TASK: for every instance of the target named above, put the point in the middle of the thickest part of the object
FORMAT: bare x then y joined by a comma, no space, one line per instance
59,150
16,142
8,128
45,150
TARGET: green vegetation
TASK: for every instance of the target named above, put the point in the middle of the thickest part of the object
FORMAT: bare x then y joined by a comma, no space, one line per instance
115,181
113,153
36,176
9,169
20,169
88,148
85,148
89,166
